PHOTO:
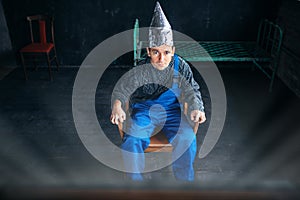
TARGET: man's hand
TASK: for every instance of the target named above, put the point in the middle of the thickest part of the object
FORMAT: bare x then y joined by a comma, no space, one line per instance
198,116
117,113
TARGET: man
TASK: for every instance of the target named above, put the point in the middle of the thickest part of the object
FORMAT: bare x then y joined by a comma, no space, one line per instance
152,90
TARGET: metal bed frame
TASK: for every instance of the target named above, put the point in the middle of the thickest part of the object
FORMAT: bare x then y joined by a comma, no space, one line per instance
265,49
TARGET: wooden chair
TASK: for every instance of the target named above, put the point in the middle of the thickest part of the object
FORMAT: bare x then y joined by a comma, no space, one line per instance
41,26
159,142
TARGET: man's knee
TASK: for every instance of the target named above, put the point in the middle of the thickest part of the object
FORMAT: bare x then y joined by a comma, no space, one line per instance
186,135
135,144
185,141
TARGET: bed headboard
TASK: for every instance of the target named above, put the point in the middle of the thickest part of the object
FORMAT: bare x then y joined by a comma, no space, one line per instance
269,38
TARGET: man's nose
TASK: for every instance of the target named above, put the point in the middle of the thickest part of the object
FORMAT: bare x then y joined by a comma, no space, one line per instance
161,57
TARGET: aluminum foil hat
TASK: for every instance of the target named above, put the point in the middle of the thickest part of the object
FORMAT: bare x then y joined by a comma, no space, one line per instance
160,31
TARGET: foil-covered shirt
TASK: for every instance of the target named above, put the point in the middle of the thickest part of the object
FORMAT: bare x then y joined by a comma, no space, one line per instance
145,82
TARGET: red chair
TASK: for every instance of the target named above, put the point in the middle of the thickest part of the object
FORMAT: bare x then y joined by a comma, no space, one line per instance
40,47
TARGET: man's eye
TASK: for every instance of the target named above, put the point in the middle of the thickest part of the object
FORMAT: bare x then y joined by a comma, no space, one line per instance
167,52
155,52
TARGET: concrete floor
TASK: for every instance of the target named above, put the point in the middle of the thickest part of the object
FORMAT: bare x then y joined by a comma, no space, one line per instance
258,149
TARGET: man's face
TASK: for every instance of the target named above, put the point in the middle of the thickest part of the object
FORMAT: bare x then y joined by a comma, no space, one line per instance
161,56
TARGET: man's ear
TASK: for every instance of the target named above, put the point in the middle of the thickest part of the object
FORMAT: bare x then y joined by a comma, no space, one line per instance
148,51
173,50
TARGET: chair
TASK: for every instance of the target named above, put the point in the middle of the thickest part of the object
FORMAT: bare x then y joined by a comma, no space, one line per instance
159,142
41,28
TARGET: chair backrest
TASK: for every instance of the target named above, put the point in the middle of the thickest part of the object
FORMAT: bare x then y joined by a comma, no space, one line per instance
41,28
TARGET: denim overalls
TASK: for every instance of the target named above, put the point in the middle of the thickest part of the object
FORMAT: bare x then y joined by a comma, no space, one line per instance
164,112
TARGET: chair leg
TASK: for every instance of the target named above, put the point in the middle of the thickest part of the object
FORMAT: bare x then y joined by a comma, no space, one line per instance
49,67
56,61
24,67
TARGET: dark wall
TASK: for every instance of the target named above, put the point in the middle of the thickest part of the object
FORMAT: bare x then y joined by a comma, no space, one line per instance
7,58
289,70
83,24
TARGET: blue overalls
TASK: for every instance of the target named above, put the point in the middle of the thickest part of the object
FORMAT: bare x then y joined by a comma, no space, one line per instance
164,112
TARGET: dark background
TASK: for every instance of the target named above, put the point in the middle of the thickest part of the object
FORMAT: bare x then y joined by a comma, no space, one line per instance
81,25
37,114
